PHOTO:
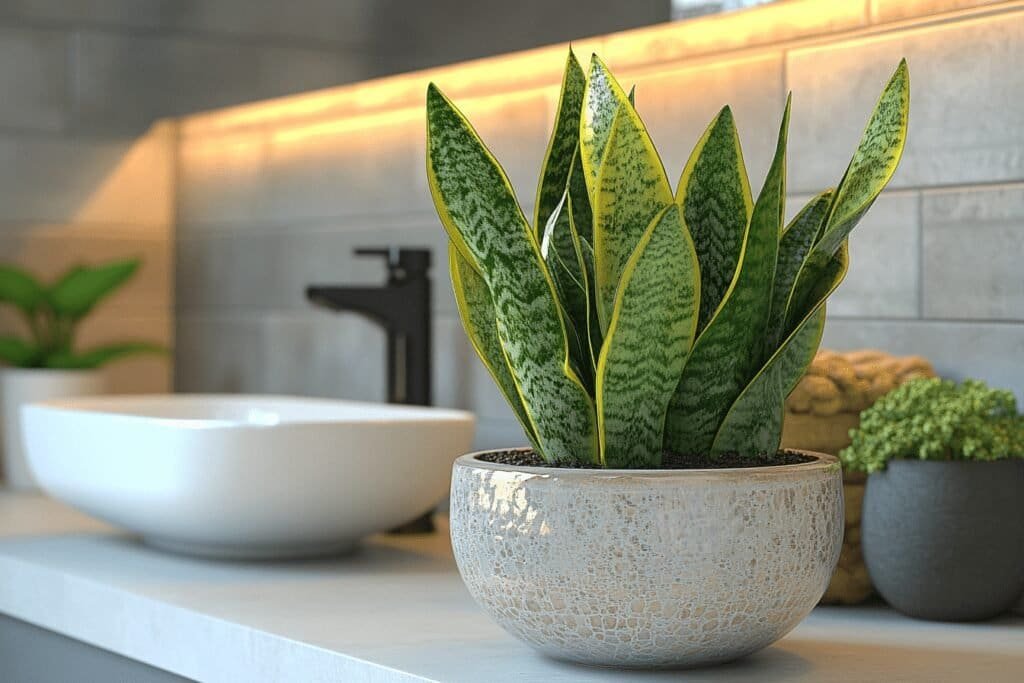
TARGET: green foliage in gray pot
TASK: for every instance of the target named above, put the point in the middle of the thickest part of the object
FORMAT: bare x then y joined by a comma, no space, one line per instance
52,313
626,319
936,419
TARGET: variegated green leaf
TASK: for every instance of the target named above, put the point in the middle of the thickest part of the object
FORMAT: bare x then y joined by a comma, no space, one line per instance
476,309
563,143
874,162
651,331
715,195
632,189
601,100
871,168
579,200
561,252
794,246
632,96
728,351
596,336
478,208
753,425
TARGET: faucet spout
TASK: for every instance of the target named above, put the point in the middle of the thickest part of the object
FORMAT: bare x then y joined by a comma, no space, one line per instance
402,307
383,305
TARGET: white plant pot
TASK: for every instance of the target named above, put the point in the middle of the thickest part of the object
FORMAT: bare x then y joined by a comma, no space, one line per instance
19,386
647,568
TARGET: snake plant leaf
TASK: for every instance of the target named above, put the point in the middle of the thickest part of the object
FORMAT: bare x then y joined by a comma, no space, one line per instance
602,98
754,422
872,166
561,252
874,162
579,200
564,141
94,358
19,288
18,352
82,287
476,309
632,96
632,189
715,195
651,331
478,208
596,336
796,243
729,350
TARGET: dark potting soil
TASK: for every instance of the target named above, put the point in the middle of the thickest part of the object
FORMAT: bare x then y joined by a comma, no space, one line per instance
669,461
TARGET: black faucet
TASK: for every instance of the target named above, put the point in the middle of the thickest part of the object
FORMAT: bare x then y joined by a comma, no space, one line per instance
402,308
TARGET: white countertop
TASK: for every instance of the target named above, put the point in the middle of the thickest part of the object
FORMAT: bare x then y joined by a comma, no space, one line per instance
394,611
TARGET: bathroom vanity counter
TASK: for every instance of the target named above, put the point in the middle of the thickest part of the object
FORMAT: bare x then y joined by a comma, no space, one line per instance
394,611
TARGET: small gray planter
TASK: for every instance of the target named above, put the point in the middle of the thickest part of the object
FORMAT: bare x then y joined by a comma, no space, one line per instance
944,540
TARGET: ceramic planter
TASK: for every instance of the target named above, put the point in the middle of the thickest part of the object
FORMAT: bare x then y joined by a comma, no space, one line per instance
944,540
19,386
647,568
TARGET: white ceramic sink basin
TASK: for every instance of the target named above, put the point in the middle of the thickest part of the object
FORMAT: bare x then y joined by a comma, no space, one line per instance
245,476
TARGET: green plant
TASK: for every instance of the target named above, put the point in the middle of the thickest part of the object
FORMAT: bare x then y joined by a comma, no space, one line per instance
53,312
629,320
936,419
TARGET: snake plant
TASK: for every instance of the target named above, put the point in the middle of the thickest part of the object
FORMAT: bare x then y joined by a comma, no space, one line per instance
627,320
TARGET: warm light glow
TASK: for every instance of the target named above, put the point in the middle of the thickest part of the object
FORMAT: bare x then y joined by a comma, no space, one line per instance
386,101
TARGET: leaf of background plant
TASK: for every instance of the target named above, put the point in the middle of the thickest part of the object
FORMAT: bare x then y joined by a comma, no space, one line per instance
19,288
561,251
754,422
632,189
478,209
18,352
872,166
94,358
794,246
476,309
602,98
562,145
651,331
728,352
82,287
715,195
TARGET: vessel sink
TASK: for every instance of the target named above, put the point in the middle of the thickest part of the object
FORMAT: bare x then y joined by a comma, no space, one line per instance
245,476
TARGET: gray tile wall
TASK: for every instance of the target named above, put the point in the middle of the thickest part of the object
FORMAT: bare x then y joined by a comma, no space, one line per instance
267,208
84,176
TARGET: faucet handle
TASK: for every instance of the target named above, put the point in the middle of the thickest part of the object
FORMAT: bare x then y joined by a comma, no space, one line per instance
401,262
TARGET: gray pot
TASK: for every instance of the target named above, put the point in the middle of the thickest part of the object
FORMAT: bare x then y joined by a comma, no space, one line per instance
944,540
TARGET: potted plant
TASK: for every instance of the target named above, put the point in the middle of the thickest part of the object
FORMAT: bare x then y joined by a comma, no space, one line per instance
942,525
646,340
46,364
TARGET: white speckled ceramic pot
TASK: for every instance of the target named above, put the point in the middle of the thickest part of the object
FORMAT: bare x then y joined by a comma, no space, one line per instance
647,568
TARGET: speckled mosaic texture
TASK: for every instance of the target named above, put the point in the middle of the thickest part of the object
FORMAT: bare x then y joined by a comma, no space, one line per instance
647,569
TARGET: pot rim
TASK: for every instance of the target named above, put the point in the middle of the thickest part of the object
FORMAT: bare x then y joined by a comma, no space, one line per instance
14,370
822,462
